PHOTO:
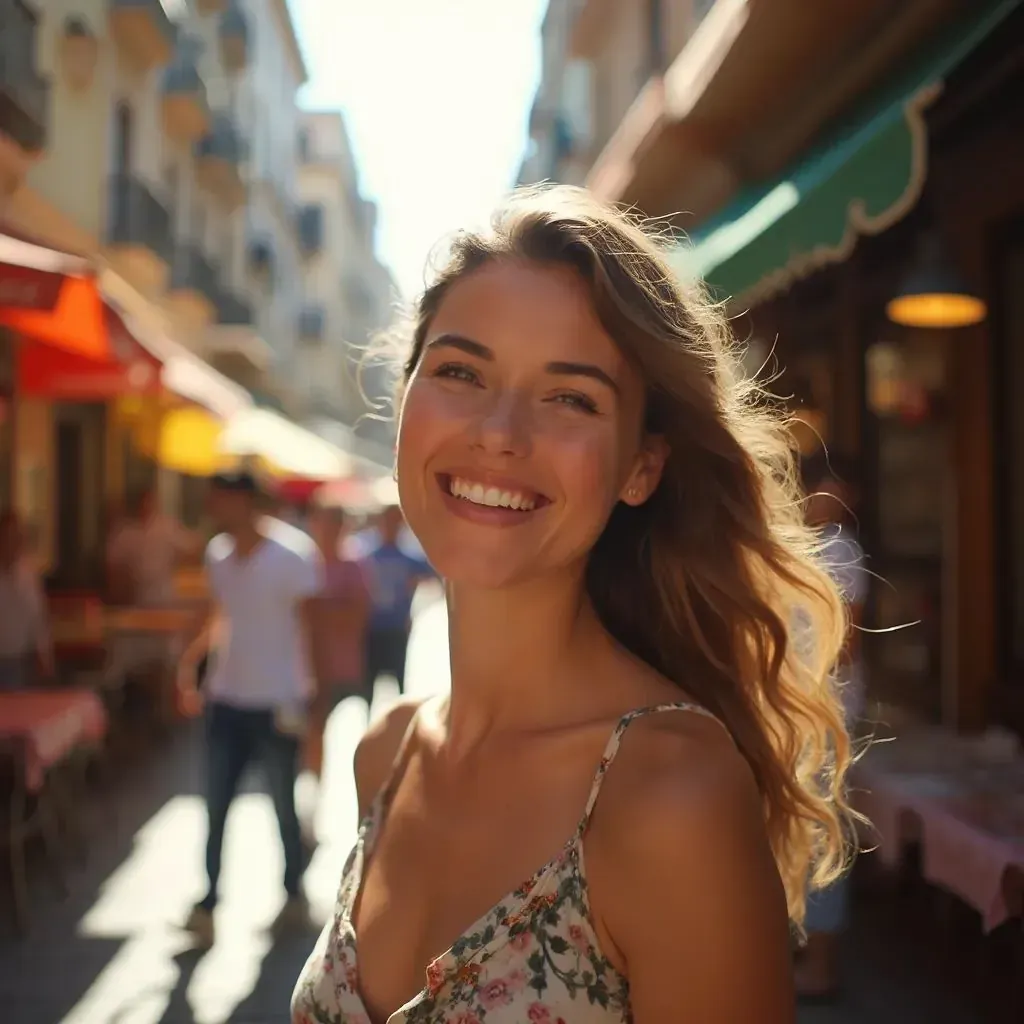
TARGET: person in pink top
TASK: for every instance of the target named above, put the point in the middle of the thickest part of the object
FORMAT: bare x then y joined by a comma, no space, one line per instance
342,613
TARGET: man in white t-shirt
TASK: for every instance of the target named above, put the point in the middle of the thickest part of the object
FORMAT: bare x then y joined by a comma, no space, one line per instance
262,575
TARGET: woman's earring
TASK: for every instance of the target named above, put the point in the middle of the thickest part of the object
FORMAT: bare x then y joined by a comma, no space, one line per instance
633,493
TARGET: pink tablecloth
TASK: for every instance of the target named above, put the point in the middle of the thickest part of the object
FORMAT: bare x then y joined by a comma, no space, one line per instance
46,725
968,846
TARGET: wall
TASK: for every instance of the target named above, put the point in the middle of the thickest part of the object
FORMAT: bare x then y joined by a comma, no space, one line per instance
267,94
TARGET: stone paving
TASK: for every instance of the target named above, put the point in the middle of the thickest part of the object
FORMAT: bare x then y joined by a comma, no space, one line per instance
111,953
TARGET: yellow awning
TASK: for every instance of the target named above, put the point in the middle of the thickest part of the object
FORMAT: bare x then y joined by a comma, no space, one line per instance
288,449
194,441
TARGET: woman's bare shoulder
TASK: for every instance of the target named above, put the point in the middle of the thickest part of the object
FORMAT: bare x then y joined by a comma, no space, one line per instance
681,871
376,751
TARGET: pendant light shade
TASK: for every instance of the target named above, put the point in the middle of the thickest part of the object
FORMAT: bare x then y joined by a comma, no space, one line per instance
934,295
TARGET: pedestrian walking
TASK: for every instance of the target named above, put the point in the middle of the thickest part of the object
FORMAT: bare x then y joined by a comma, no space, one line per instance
263,575
342,613
613,814
393,575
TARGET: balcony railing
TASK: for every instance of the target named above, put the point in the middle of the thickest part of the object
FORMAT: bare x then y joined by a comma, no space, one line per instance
311,229
193,272
311,323
233,311
135,217
24,93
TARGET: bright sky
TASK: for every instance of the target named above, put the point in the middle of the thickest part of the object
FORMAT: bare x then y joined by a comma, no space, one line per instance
436,95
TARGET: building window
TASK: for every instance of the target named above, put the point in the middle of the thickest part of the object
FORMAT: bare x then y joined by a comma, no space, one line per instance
123,138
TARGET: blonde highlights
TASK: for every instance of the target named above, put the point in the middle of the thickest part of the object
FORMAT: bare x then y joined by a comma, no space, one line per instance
714,581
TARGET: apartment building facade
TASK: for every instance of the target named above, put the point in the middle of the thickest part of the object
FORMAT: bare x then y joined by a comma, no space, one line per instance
347,291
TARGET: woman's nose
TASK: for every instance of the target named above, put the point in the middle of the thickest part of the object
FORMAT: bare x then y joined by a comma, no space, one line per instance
504,425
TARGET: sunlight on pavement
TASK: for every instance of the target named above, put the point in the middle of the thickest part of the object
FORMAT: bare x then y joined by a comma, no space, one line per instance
145,899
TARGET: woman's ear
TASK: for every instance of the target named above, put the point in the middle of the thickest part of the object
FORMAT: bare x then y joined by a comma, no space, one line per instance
645,476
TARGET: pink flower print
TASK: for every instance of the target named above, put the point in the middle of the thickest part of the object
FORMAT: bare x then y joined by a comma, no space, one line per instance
464,1018
539,1013
500,991
579,939
435,977
351,979
521,940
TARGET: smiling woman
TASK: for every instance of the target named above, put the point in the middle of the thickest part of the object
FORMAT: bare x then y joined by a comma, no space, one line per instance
614,511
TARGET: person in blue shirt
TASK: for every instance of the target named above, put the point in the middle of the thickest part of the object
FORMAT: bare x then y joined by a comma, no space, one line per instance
393,574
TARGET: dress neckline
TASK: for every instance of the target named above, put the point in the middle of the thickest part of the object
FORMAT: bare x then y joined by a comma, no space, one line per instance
514,909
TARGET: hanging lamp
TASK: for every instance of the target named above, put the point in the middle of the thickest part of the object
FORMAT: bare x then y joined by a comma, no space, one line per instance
933,294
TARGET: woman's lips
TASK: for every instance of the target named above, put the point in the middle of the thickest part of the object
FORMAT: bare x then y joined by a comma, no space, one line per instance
492,500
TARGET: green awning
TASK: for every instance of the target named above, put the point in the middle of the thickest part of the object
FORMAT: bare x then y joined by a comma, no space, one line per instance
863,178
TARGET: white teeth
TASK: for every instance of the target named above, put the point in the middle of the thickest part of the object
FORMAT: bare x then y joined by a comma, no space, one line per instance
490,496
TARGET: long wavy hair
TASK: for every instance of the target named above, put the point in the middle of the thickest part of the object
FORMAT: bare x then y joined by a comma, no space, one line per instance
715,581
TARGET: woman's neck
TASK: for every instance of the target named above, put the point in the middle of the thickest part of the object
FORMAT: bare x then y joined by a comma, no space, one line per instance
515,654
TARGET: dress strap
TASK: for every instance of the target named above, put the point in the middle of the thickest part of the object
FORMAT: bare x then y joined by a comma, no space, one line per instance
387,791
612,747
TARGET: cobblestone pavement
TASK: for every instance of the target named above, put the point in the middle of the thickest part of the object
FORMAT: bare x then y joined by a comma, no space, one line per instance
111,953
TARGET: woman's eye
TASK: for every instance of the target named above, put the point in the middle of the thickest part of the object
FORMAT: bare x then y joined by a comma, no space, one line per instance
576,400
458,371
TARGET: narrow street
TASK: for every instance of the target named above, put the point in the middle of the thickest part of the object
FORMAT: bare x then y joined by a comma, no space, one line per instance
111,952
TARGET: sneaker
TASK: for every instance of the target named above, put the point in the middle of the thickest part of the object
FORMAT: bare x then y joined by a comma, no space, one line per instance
200,923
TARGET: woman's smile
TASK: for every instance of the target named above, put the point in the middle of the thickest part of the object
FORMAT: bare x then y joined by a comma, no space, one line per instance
488,500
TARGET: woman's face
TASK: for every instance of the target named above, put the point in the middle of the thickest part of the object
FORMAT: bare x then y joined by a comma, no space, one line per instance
520,429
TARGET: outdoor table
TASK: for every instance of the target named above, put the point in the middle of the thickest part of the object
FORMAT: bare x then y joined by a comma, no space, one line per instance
39,731
967,816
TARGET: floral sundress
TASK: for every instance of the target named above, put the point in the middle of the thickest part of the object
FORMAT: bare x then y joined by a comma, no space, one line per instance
533,958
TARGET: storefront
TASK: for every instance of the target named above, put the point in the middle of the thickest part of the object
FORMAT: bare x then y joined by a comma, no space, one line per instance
925,179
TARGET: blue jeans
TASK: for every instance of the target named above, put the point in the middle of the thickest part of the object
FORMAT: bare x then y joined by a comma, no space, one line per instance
235,737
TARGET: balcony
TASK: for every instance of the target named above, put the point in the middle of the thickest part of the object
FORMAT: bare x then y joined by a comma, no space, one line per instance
186,111
311,229
194,289
219,156
312,322
138,235
233,343
24,93
143,31
234,38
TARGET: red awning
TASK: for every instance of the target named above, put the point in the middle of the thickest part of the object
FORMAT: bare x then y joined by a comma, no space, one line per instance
32,275
129,369
52,297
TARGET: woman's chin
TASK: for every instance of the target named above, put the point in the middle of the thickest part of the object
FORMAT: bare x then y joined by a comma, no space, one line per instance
467,570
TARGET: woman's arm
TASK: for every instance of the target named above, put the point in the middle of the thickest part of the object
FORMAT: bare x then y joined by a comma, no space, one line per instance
685,884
